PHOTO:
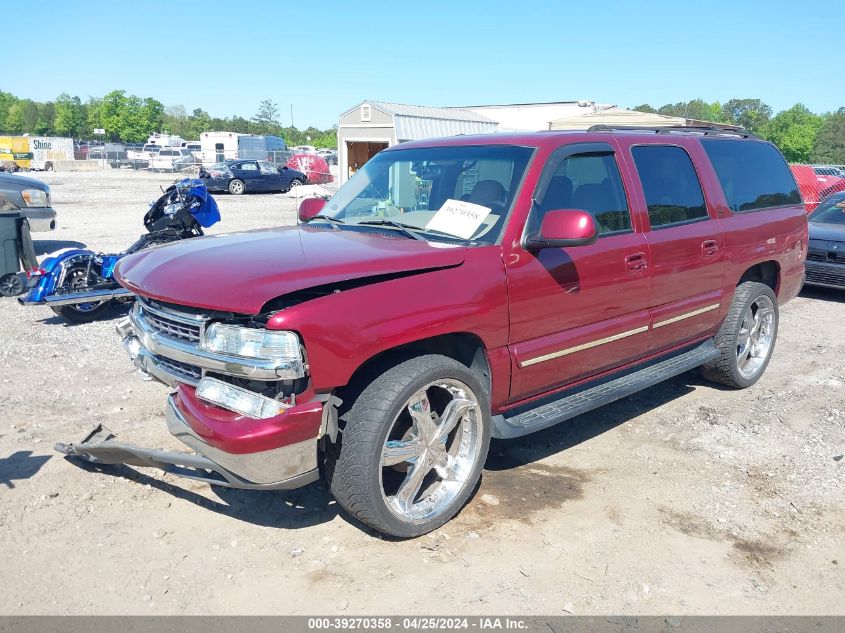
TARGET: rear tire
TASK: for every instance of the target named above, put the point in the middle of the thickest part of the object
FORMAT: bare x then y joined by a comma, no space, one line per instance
747,337
78,278
413,446
75,315
236,187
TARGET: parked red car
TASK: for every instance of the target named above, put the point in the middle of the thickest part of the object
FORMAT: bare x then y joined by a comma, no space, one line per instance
815,186
456,290
313,166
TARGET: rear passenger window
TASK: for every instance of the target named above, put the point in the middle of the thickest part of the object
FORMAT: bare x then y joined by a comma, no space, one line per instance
672,190
753,174
590,182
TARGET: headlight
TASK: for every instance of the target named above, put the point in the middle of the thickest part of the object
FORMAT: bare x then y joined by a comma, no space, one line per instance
252,342
34,197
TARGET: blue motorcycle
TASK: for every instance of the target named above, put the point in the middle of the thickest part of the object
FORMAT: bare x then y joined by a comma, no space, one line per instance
78,285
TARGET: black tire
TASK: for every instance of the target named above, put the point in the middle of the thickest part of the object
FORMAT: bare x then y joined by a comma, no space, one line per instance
725,369
236,187
78,278
11,285
296,182
353,464
75,315
48,167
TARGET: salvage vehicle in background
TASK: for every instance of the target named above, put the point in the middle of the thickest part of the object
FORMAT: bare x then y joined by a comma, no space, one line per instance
826,254
78,284
250,176
455,290
31,197
172,159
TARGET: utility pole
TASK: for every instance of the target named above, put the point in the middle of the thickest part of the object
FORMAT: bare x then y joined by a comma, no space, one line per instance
291,115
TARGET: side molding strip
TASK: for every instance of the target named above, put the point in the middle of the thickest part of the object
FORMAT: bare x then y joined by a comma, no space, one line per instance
583,346
687,315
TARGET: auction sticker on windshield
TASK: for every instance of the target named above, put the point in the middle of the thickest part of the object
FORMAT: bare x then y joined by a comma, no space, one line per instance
459,218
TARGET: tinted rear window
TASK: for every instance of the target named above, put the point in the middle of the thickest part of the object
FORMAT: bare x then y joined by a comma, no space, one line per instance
671,186
753,175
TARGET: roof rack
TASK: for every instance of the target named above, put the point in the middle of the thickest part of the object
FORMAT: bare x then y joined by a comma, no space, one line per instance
702,130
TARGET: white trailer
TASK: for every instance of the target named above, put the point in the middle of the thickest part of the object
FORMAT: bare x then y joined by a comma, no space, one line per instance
218,146
46,150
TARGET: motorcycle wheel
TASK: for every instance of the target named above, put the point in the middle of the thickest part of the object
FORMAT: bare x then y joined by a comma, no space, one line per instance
77,279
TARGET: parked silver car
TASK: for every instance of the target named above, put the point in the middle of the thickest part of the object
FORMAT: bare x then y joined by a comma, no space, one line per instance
31,197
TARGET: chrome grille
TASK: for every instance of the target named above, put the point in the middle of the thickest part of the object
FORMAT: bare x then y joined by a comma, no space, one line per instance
183,328
191,372
817,257
825,275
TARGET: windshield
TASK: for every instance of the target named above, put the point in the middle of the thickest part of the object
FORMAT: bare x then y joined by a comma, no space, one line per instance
830,212
452,193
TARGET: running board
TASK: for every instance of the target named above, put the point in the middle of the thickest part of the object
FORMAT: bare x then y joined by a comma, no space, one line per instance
524,421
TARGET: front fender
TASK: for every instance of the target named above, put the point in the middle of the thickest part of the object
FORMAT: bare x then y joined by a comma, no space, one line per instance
342,330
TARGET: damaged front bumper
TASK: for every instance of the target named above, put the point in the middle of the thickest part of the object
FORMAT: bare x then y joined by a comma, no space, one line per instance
282,468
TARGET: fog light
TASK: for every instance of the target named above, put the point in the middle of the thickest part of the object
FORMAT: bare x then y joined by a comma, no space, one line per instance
133,346
238,400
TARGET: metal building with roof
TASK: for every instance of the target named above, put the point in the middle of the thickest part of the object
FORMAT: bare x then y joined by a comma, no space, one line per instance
372,126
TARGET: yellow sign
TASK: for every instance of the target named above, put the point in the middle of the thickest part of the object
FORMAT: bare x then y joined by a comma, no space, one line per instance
15,149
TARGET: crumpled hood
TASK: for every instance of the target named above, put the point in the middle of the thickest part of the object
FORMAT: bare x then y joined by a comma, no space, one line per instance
241,272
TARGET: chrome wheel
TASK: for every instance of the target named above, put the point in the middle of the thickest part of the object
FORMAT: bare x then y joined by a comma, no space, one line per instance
236,187
755,338
431,451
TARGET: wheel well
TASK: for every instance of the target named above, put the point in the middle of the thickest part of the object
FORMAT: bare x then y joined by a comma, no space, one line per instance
464,347
765,273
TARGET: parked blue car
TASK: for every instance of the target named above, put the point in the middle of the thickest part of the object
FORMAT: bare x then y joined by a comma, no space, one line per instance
250,176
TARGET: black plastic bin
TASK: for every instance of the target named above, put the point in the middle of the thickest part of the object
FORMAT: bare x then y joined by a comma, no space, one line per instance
15,249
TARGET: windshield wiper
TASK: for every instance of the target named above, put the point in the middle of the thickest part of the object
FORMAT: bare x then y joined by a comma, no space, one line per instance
404,228
327,218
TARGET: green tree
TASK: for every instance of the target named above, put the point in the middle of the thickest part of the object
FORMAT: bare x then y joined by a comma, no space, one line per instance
830,141
7,100
113,114
751,114
198,122
93,116
794,132
69,116
14,118
46,118
29,115
176,121
267,117
644,108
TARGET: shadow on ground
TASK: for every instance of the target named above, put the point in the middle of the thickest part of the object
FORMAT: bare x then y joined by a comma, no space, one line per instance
19,466
43,247
821,293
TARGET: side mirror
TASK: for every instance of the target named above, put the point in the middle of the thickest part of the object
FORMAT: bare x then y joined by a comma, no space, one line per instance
564,227
310,207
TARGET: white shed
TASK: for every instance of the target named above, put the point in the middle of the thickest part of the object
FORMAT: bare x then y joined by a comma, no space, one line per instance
372,126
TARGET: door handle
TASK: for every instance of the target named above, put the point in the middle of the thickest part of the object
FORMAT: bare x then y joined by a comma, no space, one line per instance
709,248
636,262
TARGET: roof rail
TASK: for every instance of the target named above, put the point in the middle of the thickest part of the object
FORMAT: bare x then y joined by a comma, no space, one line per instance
703,130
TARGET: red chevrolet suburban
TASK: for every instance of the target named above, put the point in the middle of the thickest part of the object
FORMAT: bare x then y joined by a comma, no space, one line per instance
455,290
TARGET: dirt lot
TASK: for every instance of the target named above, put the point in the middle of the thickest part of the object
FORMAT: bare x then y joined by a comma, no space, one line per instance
684,499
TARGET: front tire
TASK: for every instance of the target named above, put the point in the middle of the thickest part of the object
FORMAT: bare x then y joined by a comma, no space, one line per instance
747,337
413,446
236,187
296,182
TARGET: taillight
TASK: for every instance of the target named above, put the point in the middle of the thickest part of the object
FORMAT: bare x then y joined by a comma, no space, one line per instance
35,272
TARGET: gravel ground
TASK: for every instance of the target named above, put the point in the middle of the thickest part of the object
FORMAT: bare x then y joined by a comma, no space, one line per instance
683,499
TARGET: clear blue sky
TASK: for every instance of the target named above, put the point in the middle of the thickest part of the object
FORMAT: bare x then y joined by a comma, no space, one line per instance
324,57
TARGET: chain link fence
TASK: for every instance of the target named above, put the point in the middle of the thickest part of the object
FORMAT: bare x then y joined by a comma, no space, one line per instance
817,182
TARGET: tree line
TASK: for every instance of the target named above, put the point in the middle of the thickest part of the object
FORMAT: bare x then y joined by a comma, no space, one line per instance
131,119
802,136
